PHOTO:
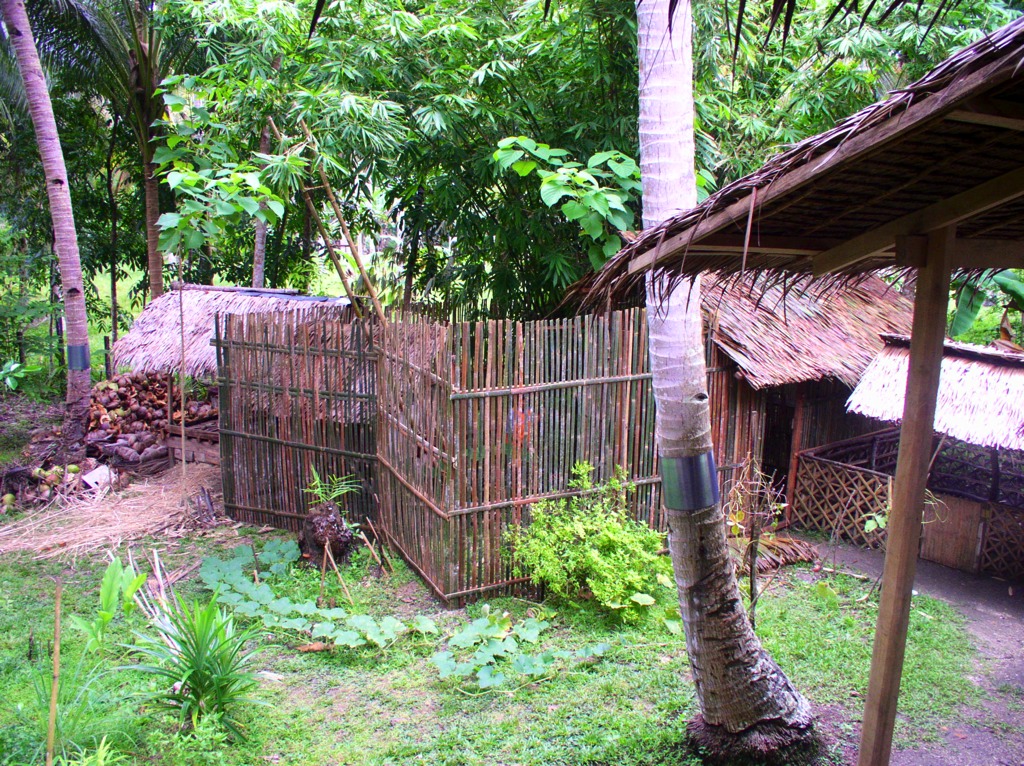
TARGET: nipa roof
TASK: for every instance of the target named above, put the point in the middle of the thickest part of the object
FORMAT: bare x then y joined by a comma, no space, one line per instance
154,342
944,151
802,332
981,392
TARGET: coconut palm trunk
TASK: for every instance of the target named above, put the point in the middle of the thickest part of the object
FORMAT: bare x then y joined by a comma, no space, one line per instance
59,194
748,705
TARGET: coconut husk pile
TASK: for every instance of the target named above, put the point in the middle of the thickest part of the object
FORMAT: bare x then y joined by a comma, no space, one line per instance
129,415
166,505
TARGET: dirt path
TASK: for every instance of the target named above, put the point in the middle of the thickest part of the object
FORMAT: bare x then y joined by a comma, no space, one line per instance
994,734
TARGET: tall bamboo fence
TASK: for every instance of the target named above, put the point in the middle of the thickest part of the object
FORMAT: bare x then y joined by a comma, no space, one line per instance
480,420
297,393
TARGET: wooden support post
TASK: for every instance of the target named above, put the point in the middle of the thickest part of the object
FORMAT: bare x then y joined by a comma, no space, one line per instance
904,530
795,446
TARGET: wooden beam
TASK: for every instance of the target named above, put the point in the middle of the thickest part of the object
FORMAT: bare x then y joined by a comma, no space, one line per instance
947,212
904,527
855,147
966,253
796,246
993,113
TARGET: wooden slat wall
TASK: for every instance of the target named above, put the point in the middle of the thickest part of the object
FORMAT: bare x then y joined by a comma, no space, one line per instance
299,391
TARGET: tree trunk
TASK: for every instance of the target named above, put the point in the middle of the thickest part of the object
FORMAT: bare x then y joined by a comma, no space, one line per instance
748,706
112,203
259,250
59,194
154,257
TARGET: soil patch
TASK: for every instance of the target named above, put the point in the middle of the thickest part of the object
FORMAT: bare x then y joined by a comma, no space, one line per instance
992,734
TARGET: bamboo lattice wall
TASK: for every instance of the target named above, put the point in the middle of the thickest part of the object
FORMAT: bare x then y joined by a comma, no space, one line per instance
840,485
479,420
297,392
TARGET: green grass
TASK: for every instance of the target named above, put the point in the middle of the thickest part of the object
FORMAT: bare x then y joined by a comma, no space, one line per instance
379,707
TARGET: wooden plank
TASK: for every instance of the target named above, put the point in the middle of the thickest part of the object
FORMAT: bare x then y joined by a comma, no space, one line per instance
967,253
951,531
904,528
948,212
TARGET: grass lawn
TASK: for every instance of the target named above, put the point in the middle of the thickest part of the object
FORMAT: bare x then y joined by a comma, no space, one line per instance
389,706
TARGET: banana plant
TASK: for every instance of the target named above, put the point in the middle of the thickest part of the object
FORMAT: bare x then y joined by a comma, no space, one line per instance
1005,287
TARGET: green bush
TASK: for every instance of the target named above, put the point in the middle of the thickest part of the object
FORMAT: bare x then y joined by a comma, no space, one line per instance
201,658
588,546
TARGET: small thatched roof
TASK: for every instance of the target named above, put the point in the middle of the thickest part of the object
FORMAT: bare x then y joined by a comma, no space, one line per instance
944,151
154,342
981,392
805,333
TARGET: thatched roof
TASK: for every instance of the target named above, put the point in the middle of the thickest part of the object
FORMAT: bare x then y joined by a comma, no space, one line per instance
945,150
805,333
981,392
154,342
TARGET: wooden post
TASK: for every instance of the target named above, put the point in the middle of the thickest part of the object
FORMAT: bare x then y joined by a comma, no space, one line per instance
795,446
904,529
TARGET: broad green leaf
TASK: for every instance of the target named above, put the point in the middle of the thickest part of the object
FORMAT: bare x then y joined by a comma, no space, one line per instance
524,167
642,599
573,210
424,625
488,678
552,191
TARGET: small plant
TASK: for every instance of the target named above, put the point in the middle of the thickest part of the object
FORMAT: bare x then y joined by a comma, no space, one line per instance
104,755
331,489
201,656
491,647
84,714
117,592
234,586
589,546
13,374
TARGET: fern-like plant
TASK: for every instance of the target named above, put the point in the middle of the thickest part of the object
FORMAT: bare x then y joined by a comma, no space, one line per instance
201,656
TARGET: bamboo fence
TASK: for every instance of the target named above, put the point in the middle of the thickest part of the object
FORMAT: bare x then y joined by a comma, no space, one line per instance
839,486
480,420
297,393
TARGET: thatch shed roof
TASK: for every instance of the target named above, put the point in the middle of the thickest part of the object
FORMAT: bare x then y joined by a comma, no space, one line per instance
981,392
154,342
804,333
944,151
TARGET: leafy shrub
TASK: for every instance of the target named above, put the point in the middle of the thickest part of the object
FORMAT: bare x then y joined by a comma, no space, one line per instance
588,545
117,590
202,658
102,756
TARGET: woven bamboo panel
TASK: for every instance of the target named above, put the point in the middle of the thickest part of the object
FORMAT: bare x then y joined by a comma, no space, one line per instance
480,420
298,392
837,499
950,535
1002,547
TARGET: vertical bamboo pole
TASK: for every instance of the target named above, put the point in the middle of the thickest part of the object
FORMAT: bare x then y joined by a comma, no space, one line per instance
51,727
904,530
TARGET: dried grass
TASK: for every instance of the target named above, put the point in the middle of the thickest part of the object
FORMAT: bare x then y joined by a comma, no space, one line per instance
780,335
107,518
154,343
980,400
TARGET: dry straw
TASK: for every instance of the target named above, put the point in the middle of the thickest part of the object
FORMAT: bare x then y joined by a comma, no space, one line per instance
106,518
154,343
981,393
